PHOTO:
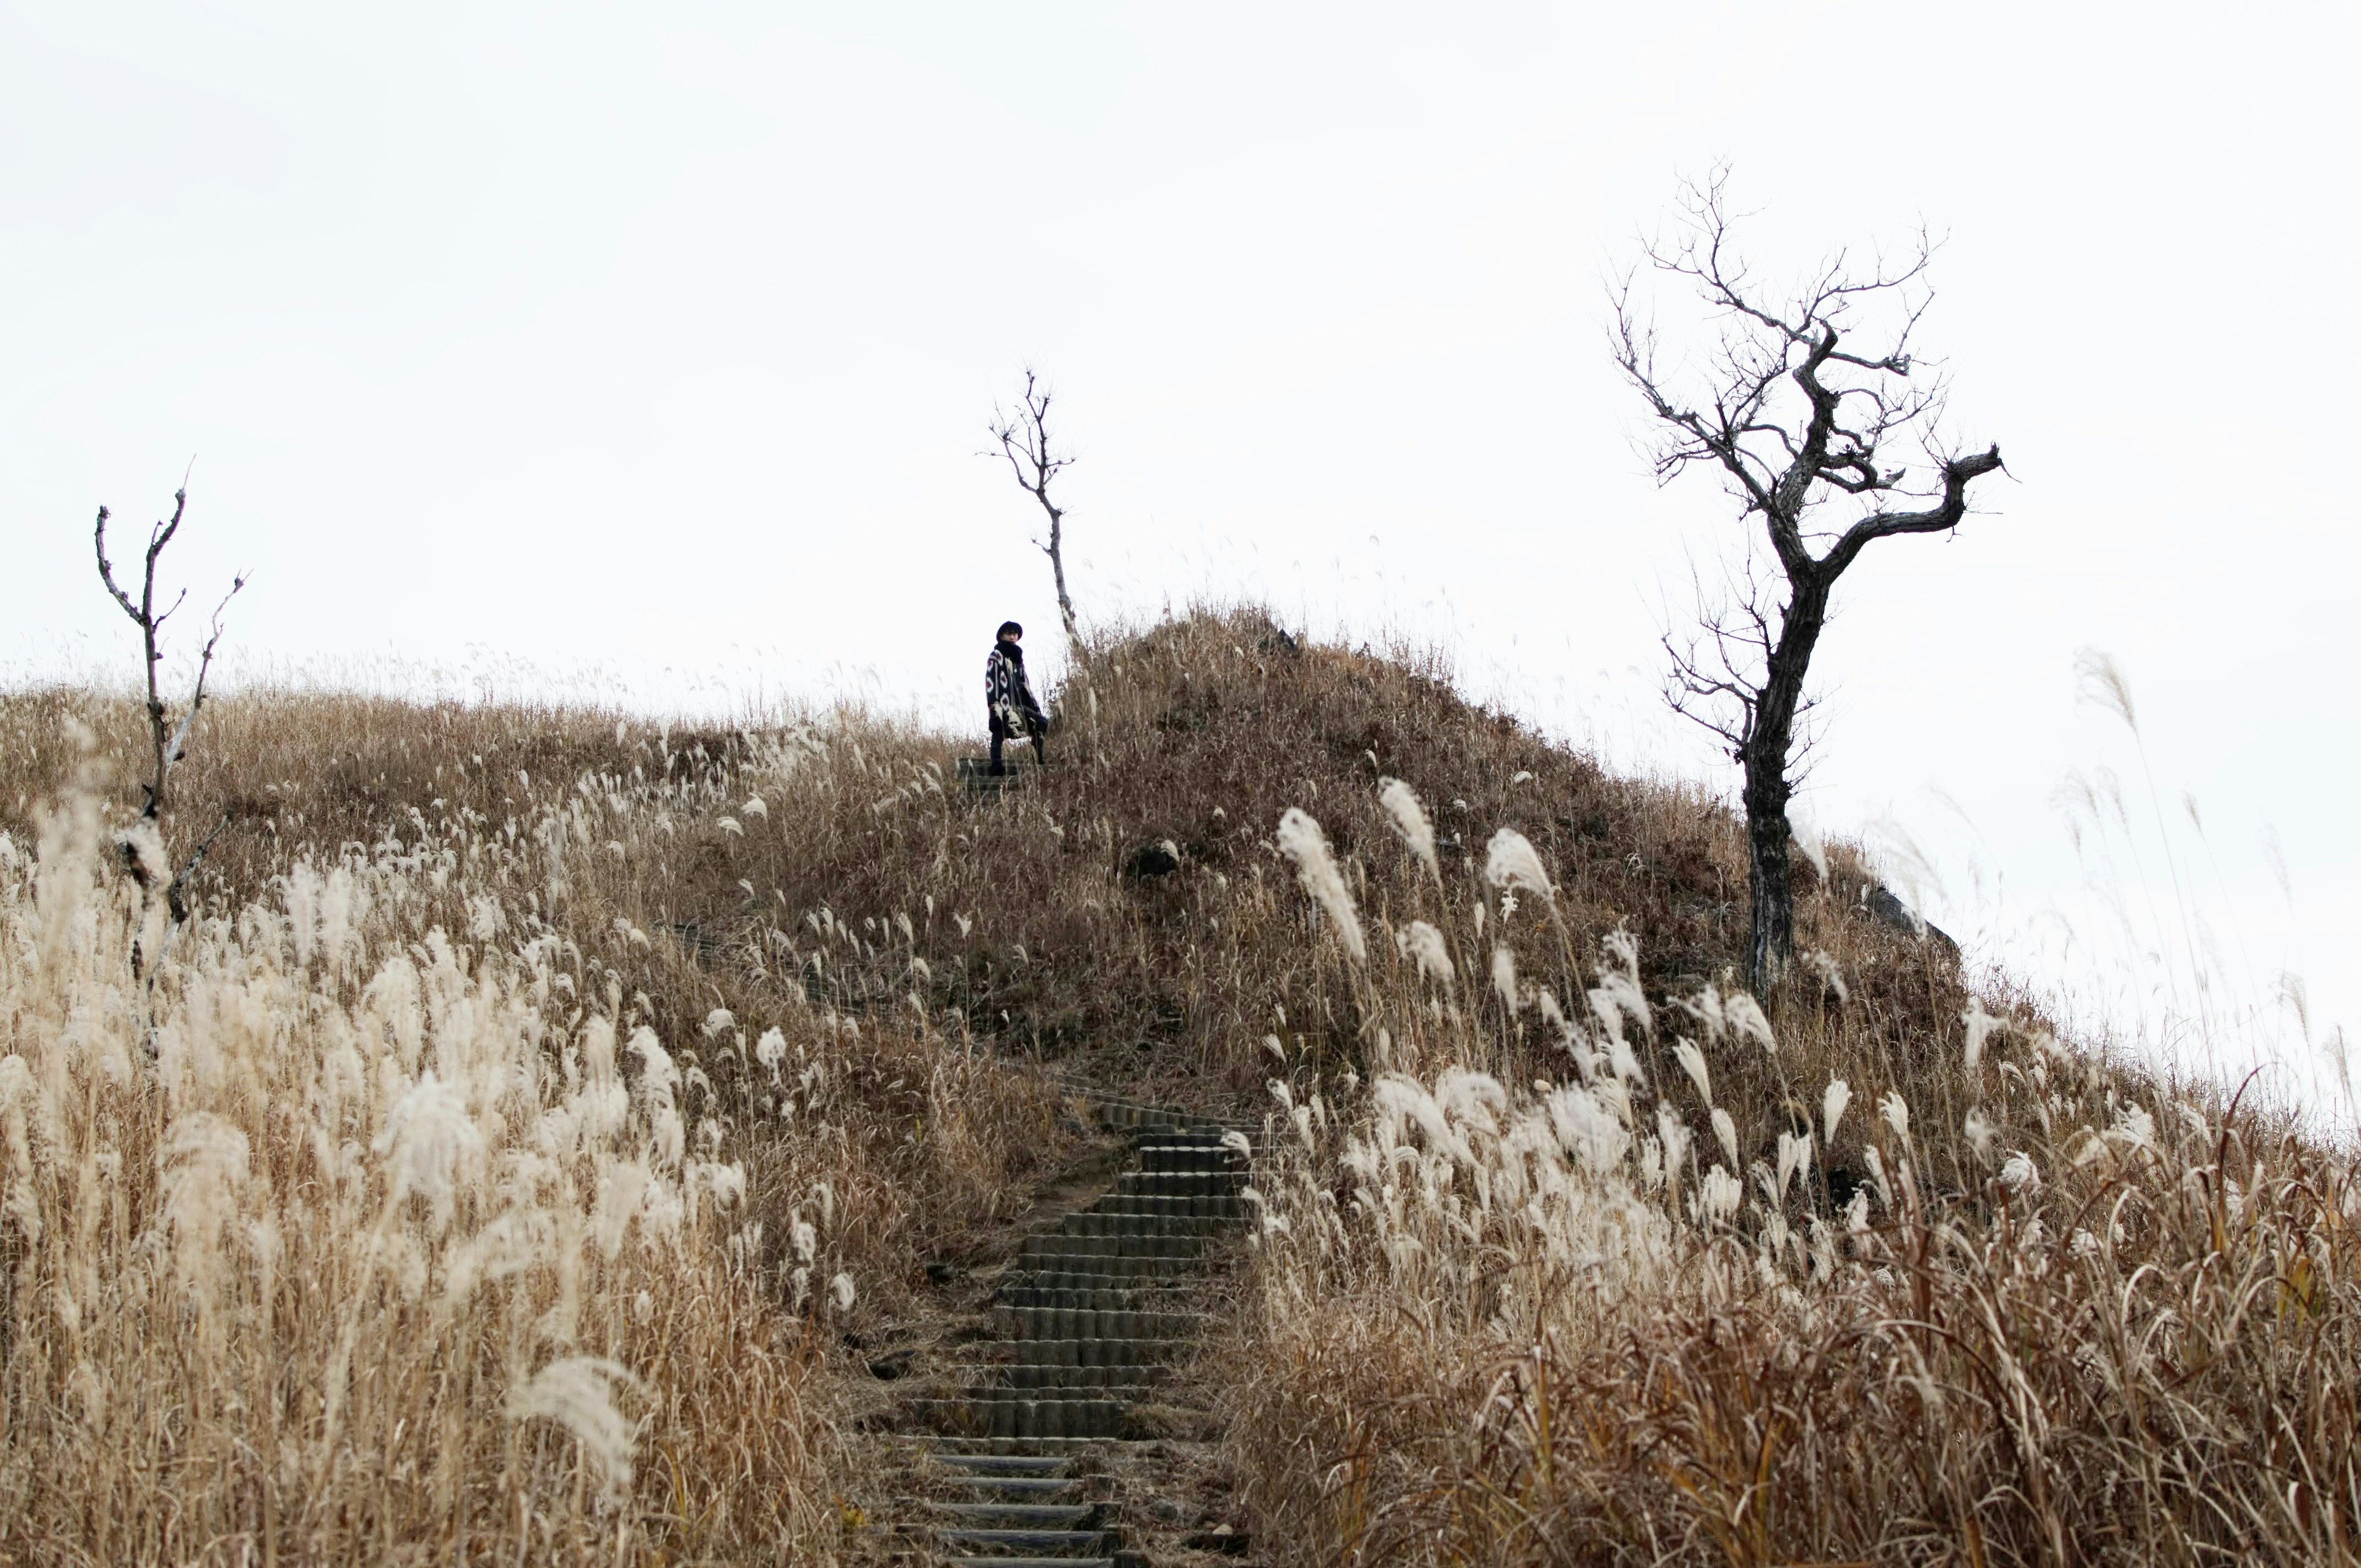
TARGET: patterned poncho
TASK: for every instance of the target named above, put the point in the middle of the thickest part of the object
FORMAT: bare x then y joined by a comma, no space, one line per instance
1007,695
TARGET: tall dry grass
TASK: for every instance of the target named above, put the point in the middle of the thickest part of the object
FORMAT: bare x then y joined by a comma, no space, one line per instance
442,1194
1588,1270
1505,1309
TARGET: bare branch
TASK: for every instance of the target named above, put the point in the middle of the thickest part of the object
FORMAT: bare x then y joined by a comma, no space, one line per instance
1025,441
1800,401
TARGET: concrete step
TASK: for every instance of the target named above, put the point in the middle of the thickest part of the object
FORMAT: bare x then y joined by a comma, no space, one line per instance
1180,1183
1017,1488
1032,1563
995,1546
1174,1208
1062,1323
1062,1244
1164,1275
1093,1293
1038,1466
1098,1223
1075,1352
1037,1374
1032,1416
1016,1515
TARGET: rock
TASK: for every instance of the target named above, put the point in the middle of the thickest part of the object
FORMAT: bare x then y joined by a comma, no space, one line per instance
886,1368
1878,902
1159,858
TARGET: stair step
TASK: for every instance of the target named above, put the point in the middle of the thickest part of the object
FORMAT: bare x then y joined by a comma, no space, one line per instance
1049,1376
1080,1352
1030,1542
1005,1465
1032,1416
1018,1488
1089,1292
1181,1183
1198,1207
1057,1323
1018,1515
1100,1223
1063,1244
1088,1320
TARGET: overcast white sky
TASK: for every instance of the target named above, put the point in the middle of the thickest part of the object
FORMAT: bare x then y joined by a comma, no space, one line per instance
647,352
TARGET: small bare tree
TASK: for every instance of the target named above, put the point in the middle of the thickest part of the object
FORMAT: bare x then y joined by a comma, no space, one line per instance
1831,447
144,854
1024,438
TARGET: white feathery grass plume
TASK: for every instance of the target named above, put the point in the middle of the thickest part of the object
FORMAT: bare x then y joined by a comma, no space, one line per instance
1692,1062
577,1393
1424,946
1877,1173
1725,1132
841,1293
1675,1134
1473,1099
771,1051
756,807
1624,1061
2100,681
1980,1133
1306,848
1896,1112
1504,976
1409,819
1833,1101
1705,1008
1980,1026
204,1167
2133,1128
1832,974
2019,1174
1511,863
1744,1016
1588,1130
429,1136
1405,1101
1808,839
718,1021
1794,1155
1719,1197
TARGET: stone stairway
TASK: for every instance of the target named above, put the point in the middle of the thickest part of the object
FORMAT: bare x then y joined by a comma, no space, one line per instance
1019,1463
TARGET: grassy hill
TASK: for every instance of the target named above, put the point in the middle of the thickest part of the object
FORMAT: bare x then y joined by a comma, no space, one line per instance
497,1163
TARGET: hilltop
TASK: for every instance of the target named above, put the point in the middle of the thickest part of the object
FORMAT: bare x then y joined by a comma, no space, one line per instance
1567,1242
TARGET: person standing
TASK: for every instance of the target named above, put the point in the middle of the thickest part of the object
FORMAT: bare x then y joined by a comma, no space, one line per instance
1008,696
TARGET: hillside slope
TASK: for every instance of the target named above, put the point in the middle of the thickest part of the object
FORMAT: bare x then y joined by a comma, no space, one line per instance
1574,1252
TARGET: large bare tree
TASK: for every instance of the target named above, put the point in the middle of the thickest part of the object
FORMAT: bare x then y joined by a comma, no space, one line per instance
1825,430
1024,437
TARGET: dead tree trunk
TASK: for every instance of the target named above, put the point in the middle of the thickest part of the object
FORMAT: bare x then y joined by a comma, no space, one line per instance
146,856
1024,438
1794,419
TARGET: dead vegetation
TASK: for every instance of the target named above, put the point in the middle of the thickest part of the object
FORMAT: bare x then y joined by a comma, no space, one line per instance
1489,1320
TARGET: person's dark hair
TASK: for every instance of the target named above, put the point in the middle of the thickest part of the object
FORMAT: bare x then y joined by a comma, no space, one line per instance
1006,626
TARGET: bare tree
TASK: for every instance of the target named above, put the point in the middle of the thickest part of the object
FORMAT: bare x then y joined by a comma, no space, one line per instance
1024,438
144,854
1831,447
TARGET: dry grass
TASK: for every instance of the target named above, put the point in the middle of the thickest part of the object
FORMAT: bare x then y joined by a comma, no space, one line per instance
1596,1271
1487,1321
452,1204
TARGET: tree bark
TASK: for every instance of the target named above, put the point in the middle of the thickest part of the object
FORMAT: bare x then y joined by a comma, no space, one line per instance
1764,757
